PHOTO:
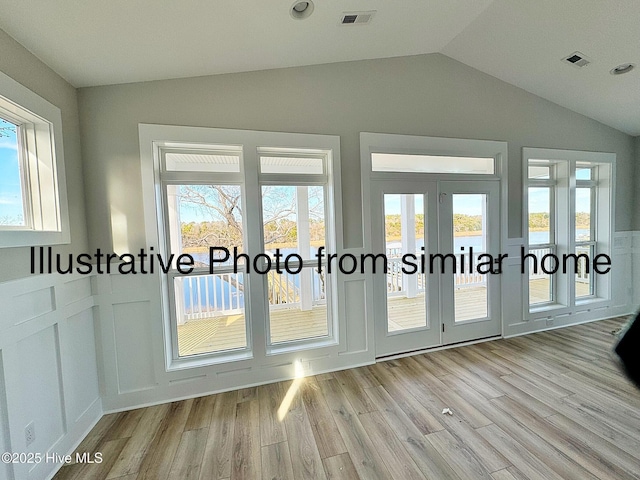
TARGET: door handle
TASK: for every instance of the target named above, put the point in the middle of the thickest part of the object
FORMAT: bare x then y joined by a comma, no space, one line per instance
442,197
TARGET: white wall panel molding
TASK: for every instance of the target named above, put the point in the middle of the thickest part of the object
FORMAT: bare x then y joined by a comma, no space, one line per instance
635,250
49,368
132,357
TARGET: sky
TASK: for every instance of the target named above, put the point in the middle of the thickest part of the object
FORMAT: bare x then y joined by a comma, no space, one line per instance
539,200
10,185
462,203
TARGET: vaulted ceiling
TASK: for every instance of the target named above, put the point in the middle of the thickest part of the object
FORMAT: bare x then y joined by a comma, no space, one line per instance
97,42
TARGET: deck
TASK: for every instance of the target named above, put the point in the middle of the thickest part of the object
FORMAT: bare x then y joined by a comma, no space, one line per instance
228,332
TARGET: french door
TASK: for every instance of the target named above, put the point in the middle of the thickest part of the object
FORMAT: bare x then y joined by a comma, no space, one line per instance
442,283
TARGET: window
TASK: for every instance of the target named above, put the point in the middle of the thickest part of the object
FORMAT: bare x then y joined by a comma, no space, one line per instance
388,162
542,231
568,216
33,207
258,213
294,214
12,176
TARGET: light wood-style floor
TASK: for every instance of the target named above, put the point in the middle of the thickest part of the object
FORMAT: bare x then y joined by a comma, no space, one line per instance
550,405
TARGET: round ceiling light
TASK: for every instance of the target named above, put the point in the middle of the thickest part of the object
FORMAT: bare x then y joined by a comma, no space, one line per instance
301,9
624,68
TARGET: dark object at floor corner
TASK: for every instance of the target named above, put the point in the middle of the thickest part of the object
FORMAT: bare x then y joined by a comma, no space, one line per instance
628,350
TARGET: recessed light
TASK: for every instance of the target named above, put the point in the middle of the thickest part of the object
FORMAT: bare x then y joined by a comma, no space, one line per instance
301,9
624,68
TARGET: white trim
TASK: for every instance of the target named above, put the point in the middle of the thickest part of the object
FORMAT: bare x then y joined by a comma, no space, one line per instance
47,207
563,214
251,144
419,145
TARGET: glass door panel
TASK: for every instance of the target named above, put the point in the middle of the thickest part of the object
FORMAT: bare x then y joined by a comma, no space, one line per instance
404,228
404,234
470,245
469,231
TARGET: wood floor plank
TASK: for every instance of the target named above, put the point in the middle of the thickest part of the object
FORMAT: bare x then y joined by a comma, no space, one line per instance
325,430
200,414
188,458
549,370
133,453
361,450
159,457
429,461
99,432
400,464
605,415
549,382
564,441
276,462
125,424
531,466
247,394
629,444
503,474
354,391
531,389
485,407
271,428
407,393
305,457
340,467
216,464
364,377
80,471
246,464
488,456
459,456
467,371
511,422
608,451
447,397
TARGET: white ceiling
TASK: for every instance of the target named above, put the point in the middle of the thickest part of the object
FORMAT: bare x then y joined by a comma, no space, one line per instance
98,42
523,41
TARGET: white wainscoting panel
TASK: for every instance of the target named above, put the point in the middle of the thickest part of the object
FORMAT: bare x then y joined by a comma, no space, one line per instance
48,368
133,357
635,246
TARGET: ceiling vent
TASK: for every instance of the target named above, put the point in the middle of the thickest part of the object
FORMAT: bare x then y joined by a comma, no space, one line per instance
357,18
577,59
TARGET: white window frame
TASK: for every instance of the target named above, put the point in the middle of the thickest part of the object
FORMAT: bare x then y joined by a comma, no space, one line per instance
154,138
41,157
603,210
552,184
305,180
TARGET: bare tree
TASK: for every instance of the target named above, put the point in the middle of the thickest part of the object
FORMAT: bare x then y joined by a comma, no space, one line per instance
223,206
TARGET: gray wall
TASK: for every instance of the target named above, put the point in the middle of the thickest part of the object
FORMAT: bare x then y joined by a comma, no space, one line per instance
636,205
18,63
420,95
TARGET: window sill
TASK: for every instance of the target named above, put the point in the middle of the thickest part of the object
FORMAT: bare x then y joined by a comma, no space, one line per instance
589,301
299,345
546,308
207,360
32,238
